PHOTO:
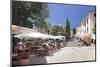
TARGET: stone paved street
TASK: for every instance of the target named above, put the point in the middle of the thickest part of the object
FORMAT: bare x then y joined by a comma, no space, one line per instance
70,53
72,43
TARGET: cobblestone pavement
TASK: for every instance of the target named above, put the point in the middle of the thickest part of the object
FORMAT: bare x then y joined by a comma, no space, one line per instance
71,53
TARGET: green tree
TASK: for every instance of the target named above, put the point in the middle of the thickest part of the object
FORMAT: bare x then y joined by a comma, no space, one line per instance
49,29
22,11
94,28
74,31
57,29
67,29
45,26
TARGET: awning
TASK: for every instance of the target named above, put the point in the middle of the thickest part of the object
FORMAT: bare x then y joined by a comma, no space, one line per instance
33,35
18,29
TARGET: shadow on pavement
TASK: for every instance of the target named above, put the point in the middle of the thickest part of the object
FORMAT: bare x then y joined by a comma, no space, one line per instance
38,60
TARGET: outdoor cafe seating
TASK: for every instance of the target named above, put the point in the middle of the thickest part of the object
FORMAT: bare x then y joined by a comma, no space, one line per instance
35,45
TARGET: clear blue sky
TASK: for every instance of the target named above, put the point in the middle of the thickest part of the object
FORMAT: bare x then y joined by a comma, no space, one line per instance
60,12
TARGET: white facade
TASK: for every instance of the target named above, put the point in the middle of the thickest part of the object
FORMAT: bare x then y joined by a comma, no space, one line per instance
85,28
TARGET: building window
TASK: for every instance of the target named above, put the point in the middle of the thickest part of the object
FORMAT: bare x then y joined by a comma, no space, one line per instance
87,21
87,29
94,14
94,17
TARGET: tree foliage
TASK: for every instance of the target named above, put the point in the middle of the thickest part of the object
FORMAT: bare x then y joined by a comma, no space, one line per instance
22,11
67,28
94,28
57,29
45,26
74,31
